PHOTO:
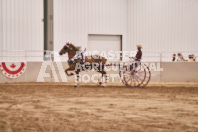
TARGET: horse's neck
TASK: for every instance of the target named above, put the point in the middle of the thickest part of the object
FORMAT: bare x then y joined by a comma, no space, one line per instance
71,54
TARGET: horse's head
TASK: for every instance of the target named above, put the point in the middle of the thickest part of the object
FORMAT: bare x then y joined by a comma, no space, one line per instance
64,49
68,48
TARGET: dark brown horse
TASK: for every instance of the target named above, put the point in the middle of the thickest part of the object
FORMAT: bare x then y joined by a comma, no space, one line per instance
96,62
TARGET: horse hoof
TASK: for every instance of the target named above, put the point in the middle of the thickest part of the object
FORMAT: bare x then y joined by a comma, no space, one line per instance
104,85
75,85
100,83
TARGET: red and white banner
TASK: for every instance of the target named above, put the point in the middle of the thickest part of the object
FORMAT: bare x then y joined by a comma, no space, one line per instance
13,69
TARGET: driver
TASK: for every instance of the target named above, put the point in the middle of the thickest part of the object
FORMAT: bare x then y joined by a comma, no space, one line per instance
137,58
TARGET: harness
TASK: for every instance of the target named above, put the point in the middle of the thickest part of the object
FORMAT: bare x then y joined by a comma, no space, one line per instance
77,56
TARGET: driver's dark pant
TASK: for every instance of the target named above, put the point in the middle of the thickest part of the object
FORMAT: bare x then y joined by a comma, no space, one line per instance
134,65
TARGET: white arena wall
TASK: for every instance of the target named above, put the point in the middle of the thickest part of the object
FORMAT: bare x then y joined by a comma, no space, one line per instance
21,29
163,25
75,19
159,25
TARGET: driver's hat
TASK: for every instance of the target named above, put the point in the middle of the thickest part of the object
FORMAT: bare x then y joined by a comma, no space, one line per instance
139,46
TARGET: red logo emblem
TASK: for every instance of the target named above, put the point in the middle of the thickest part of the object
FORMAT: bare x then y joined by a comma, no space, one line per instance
13,69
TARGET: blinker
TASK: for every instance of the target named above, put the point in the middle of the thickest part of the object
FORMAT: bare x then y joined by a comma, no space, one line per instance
65,47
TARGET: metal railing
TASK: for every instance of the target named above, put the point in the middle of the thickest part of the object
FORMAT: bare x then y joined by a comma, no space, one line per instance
45,55
23,55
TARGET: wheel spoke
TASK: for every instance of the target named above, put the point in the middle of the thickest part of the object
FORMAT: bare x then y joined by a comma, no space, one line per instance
134,82
131,80
137,80
140,79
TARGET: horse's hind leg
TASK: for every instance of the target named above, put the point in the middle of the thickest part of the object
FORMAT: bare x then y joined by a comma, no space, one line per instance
105,75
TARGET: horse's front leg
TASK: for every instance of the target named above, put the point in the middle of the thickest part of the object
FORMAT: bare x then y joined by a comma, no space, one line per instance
104,74
77,79
66,71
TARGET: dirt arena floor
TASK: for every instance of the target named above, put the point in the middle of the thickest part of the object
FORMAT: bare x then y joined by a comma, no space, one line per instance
53,107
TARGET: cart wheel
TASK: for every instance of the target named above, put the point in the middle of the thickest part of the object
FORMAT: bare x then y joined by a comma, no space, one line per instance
147,77
135,78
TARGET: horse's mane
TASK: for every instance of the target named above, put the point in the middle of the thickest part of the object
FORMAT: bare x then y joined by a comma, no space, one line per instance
74,47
